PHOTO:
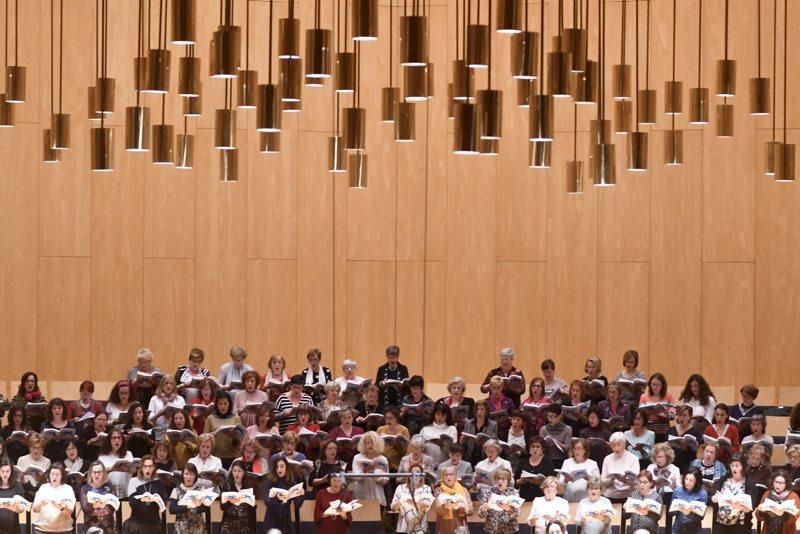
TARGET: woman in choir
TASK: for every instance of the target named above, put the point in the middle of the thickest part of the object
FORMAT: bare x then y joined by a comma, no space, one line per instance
644,520
732,517
333,523
249,395
617,467
412,500
327,464
290,400
395,449
536,464
275,378
138,430
557,435
640,439
237,516
440,424
746,409
480,424
576,419
119,400
616,412
666,475
289,442
231,373
596,435
630,374
187,520
278,513
85,403
346,430
416,456
697,394
457,387
453,503
497,401
594,513
98,515
412,419
577,470
595,382
205,460
16,423
254,461
182,449
517,439
162,452
780,491
331,403
757,436
145,512
506,519
684,438
536,403
661,410
36,460
486,468
28,391
757,469
711,469
722,428
166,395
56,420
265,424
54,502
206,396
549,507
187,374
686,521
143,384
115,449
371,404
370,460
226,446
793,467
9,488
349,375
73,463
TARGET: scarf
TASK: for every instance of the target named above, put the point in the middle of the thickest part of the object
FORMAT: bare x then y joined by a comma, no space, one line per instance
32,396
779,497
167,399
457,489
310,376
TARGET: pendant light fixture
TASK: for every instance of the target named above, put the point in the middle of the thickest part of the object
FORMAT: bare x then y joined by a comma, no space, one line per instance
405,123
226,44
390,95
15,74
673,139
7,119
602,160
268,112
584,83
637,140
189,73
337,161
158,59
540,154
726,87
355,117
477,40
577,38
465,128
508,15
463,76
759,86
698,96
137,117
465,111
184,148
269,142
49,154
163,137
558,61
225,121
247,82
574,168
184,22
290,80
785,152
646,98
59,122
621,75
771,146
193,106
345,69
101,139
540,112
104,87
414,36
524,52
490,101
318,50
365,20
289,35
357,168
229,166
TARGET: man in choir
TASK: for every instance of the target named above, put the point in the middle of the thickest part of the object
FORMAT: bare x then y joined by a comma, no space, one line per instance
391,393
315,376
511,388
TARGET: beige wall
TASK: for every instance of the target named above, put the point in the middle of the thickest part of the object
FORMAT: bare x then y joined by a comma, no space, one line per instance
449,257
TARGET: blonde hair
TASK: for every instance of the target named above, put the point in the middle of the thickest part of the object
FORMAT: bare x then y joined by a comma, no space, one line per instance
662,448
168,379
502,472
598,365
207,436
457,380
496,381
548,481
144,354
377,441
332,386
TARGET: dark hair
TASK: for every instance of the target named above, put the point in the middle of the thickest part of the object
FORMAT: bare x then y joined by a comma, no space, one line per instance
441,407
663,381
57,466
192,469
297,380
778,473
539,440
266,409
131,409
324,445
554,408
105,448
113,397
222,394
26,374
794,418
640,413
750,390
187,421
392,410
314,352
548,364
646,474
724,407
456,447
57,401
88,385
163,443
305,409
210,383
393,350
12,478
17,410
705,390
197,354
518,413
595,410
416,381
536,380
251,374
236,463
739,458
759,417
698,478
631,354
273,472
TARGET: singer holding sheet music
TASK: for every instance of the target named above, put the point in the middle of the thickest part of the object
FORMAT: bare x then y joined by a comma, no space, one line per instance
780,493
145,511
336,522
237,517
453,503
278,514
98,515
54,502
511,388
735,497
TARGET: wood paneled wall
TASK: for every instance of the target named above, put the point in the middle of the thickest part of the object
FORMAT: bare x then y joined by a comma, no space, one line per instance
449,257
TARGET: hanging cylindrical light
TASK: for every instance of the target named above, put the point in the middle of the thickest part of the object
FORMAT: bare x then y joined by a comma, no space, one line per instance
558,69
290,75
365,20
269,142
289,35
770,147
646,106
599,131
158,66
525,90
621,73
759,96
574,177
488,147
541,118
229,166
584,84
490,110
268,109
163,148
673,147
465,131
247,82
724,120
785,162
226,45
137,129
699,95
478,46
673,97
603,165
344,80
59,131
463,81
7,119
726,68
637,151
184,25
193,107
623,115
225,129
414,41
673,139
14,74
602,152
336,154
318,53
49,154
450,101
540,154
405,123
104,95
101,141
189,76
357,170
784,156
354,130
415,83
646,98
389,97
184,153
524,52
509,13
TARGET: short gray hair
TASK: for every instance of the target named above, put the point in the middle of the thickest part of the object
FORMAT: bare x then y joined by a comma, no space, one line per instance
349,363
457,380
144,354
508,351
237,351
617,436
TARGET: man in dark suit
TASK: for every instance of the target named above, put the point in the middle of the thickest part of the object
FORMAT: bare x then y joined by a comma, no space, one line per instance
391,392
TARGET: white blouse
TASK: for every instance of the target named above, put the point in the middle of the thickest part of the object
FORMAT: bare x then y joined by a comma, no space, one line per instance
50,518
410,519
369,488
542,507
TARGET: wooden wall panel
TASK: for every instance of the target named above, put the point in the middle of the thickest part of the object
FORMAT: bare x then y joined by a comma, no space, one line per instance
169,211
271,309
409,312
520,310
728,321
371,314
65,199
169,309
623,315
434,362
64,318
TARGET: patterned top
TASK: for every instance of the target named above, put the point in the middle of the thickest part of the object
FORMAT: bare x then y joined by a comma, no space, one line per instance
647,522
499,522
